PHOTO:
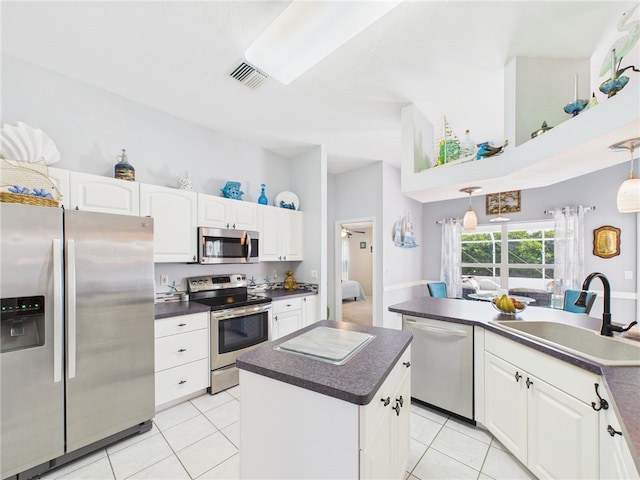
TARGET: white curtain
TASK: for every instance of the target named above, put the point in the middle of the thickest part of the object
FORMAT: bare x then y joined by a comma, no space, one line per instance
451,258
568,249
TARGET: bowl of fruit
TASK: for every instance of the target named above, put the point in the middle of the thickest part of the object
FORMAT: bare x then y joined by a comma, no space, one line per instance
508,305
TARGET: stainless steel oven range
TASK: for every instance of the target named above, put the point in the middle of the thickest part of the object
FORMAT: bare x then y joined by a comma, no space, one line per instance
239,323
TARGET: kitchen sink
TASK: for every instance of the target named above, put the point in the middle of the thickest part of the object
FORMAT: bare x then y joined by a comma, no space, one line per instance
579,341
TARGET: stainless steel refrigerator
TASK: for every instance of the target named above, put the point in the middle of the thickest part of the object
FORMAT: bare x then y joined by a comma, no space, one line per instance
76,343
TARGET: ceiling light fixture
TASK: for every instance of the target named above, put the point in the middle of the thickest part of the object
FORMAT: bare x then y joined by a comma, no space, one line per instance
628,199
470,220
306,32
499,218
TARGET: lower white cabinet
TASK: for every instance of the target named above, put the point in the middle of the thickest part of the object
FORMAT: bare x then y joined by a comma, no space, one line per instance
291,314
181,356
288,432
540,409
616,461
309,310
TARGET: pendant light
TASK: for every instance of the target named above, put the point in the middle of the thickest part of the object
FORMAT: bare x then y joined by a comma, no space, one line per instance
470,220
628,199
499,218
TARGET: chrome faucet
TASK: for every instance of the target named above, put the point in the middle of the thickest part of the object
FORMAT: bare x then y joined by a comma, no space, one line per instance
607,327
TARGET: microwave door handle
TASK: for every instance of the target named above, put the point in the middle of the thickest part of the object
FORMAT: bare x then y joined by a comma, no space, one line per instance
249,247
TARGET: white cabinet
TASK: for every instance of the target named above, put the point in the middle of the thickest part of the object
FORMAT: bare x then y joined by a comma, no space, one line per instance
60,178
280,234
175,214
221,212
540,409
309,310
616,461
95,193
286,317
181,356
291,432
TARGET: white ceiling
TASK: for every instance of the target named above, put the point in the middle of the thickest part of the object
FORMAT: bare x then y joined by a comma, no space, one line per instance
446,57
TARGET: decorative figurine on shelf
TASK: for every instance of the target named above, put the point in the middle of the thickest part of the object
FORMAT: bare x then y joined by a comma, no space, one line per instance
290,206
543,128
186,182
467,148
488,150
448,146
578,104
123,169
290,282
619,49
232,190
262,199
252,282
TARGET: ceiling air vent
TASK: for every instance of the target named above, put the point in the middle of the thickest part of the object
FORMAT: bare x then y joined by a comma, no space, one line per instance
248,75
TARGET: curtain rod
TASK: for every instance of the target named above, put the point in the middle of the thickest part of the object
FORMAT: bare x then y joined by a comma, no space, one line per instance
564,209
445,220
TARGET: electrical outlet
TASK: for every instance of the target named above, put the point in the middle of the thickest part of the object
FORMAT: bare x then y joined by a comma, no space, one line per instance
314,274
275,274
164,280
628,274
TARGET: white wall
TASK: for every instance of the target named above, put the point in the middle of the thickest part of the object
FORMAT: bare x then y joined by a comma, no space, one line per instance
596,189
90,127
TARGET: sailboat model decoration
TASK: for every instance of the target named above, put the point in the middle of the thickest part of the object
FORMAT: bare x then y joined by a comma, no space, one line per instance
403,233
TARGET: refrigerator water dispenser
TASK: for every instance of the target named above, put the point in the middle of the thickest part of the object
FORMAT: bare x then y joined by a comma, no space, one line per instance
21,323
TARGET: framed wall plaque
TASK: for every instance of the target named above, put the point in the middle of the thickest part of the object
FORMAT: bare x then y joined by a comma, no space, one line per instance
503,202
606,241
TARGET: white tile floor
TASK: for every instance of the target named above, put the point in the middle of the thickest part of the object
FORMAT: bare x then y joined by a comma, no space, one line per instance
199,439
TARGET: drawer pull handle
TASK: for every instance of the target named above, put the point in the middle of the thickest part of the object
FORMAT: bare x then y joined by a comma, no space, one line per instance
529,382
406,364
612,431
182,324
518,376
604,405
397,409
182,350
182,382
386,401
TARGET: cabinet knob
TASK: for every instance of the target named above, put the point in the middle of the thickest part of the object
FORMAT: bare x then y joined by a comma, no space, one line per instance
386,401
400,401
234,226
518,376
612,431
406,364
529,382
285,258
396,407
181,382
182,350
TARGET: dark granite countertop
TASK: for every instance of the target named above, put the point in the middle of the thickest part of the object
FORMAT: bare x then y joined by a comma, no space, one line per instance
174,309
355,382
623,382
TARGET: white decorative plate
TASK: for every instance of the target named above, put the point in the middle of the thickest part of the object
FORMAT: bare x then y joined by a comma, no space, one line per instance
288,198
23,143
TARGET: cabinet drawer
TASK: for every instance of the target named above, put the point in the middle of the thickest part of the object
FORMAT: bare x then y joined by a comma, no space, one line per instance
371,414
181,324
177,350
573,380
283,306
180,381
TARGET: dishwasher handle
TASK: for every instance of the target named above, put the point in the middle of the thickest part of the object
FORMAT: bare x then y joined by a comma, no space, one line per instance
442,332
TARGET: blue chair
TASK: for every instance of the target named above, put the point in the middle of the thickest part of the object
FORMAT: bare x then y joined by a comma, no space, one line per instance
570,297
437,289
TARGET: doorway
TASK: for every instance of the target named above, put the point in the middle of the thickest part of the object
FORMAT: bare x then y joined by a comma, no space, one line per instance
355,279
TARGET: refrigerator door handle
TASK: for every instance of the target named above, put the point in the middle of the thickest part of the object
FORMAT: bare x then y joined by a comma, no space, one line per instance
71,306
58,310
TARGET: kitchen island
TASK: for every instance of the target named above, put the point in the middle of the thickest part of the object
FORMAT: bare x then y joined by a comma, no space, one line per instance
621,383
306,417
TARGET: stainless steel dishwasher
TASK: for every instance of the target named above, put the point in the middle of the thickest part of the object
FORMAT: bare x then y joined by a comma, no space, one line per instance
442,364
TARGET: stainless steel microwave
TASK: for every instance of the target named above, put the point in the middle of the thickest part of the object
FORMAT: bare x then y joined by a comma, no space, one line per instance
217,245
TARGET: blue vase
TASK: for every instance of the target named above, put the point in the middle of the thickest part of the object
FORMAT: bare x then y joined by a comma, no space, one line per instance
262,199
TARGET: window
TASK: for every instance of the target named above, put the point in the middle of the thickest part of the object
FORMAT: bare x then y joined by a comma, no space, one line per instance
510,254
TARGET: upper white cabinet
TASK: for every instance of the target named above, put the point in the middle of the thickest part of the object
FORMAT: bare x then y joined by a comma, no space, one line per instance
95,193
280,234
221,212
175,214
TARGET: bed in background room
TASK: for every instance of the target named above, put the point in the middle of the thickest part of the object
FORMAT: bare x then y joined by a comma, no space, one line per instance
352,289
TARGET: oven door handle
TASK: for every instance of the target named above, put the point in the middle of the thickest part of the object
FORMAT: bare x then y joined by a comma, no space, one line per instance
239,312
